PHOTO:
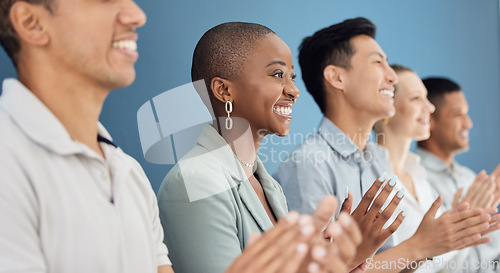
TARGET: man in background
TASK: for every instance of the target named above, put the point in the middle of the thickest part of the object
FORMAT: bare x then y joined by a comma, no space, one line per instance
450,126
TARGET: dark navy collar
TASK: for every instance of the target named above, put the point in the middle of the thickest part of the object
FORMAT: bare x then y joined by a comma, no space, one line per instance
105,140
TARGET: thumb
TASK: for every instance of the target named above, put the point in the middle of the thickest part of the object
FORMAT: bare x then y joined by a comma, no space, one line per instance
253,238
347,205
456,198
433,209
324,211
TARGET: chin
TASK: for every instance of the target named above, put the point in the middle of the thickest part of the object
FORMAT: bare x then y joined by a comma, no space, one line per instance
123,79
387,113
422,137
282,132
464,147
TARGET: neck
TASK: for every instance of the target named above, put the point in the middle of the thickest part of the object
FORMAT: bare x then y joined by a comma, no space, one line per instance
243,140
398,148
437,150
355,126
75,103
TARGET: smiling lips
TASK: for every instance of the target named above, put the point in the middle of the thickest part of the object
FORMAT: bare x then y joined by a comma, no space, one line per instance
424,121
387,92
127,47
283,110
126,44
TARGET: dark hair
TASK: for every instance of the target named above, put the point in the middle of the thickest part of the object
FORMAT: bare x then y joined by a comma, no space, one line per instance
8,36
222,50
437,87
331,45
400,68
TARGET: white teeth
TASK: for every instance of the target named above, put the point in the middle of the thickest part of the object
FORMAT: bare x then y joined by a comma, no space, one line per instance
126,44
387,93
464,134
283,110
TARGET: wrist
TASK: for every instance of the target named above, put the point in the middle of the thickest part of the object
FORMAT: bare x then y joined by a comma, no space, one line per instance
417,250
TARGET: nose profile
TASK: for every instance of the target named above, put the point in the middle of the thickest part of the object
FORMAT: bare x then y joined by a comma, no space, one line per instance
468,122
391,75
431,106
132,14
291,91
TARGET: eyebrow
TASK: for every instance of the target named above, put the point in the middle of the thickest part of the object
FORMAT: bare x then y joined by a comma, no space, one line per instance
379,54
276,62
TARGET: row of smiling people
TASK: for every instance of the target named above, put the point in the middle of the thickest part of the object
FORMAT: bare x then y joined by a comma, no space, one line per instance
72,201
220,192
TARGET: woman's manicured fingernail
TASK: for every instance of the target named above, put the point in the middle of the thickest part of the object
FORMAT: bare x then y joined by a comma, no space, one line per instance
292,217
319,252
313,267
393,181
346,192
301,248
304,220
401,193
344,219
382,177
405,212
307,230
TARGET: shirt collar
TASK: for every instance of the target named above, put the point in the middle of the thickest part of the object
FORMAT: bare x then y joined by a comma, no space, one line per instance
337,139
211,140
414,168
431,161
38,122
214,142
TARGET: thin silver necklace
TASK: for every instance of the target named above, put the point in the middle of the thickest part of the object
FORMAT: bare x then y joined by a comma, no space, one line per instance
248,165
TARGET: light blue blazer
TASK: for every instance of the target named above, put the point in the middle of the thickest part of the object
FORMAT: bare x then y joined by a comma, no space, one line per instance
208,208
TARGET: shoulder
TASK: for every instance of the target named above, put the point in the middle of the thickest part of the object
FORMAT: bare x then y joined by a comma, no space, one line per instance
466,172
16,149
198,175
313,150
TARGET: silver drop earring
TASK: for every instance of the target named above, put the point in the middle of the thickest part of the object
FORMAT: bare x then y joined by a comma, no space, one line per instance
229,121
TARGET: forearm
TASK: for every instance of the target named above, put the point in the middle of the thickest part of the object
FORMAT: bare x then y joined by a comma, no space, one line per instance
404,257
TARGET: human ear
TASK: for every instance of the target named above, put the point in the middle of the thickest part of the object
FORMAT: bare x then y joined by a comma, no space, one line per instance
27,20
334,76
220,89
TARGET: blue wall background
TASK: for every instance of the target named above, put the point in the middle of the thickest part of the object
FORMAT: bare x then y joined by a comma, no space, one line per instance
454,38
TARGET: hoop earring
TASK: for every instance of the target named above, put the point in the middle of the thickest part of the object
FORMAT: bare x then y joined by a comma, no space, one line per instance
229,109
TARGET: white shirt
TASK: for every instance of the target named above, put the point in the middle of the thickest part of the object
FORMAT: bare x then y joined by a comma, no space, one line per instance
465,260
63,208
446,180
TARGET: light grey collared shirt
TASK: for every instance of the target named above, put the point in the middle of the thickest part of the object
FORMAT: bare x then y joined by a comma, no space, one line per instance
446,180
325,163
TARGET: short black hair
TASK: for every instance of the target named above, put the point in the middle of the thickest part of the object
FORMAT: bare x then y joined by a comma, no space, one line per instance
437,87
222,50
331,45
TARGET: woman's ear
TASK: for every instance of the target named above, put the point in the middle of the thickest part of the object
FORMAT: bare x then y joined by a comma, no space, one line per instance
220,89
28,22
334,76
